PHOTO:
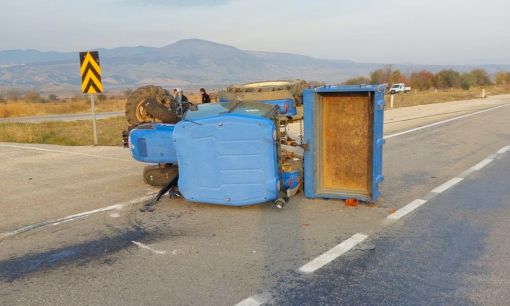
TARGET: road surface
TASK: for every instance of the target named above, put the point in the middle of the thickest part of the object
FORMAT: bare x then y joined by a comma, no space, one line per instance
454,251
62,117
72,232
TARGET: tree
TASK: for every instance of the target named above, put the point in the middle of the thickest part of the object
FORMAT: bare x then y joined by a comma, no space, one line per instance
398,77
381,76
377,77
503,78
447,78
422,80
479,77
52,97
357,81
466,80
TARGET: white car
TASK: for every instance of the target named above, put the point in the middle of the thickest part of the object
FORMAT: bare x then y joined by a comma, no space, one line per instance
399,87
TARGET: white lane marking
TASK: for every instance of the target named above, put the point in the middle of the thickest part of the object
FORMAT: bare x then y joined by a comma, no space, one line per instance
482,164
332,254
406,209
146,247
445,121
503,150
467,172
255,300
74,217
249,302
61,151
447,185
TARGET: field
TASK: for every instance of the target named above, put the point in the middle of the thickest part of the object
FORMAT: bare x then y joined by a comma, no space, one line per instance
429,97
109,130
25,108
76,133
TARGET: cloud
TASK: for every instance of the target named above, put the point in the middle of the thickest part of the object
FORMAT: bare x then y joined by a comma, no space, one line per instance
173,3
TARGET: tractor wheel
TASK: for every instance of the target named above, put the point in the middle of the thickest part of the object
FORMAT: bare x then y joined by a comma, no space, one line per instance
135,111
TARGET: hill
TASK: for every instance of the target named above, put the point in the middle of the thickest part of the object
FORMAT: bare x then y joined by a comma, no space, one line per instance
186,63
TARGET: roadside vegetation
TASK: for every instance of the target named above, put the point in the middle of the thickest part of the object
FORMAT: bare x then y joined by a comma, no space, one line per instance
17,103
75,133
427,88
445,79
444,86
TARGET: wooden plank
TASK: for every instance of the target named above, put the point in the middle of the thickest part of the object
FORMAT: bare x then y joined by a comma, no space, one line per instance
346,135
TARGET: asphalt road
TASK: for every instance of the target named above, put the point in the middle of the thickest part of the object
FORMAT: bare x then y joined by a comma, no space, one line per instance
194,254
63,117
454,251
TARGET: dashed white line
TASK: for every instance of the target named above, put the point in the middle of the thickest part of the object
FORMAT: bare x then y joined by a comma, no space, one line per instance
249,302
503,150
444,121
252,301
146,247
406,209
255,300
332,254
62,151
482,164
454,181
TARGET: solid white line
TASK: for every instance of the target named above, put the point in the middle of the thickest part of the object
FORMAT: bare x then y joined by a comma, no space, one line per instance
447,185
467,173
482,164
60,151
406,209
332,254
503,150
144,246
444,121
74,217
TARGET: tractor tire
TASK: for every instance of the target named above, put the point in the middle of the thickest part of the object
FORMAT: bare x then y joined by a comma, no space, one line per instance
268,90
159,111
135,112
159,175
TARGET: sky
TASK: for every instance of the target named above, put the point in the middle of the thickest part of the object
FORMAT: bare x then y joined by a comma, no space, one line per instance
389,31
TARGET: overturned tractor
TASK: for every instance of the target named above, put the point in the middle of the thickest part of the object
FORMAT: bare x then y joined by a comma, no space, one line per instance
153,104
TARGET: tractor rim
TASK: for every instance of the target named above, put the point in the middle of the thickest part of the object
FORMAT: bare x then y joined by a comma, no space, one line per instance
141,113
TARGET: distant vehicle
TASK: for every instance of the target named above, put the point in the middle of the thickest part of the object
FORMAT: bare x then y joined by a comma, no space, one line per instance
399,87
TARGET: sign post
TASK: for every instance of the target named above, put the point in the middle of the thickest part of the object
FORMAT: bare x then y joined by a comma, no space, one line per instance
93,106
90,71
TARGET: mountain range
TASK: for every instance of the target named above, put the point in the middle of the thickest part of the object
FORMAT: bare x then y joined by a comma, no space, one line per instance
186,63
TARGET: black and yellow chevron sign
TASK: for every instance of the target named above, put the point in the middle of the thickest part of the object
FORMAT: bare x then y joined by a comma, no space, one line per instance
90,72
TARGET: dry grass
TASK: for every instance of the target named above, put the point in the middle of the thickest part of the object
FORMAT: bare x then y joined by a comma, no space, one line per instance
429,97
24,108
73,133
110,130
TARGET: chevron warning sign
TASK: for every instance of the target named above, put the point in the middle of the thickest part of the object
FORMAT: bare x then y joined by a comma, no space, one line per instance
90,72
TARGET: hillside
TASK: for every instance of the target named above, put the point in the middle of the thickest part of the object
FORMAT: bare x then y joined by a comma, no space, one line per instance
186,63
